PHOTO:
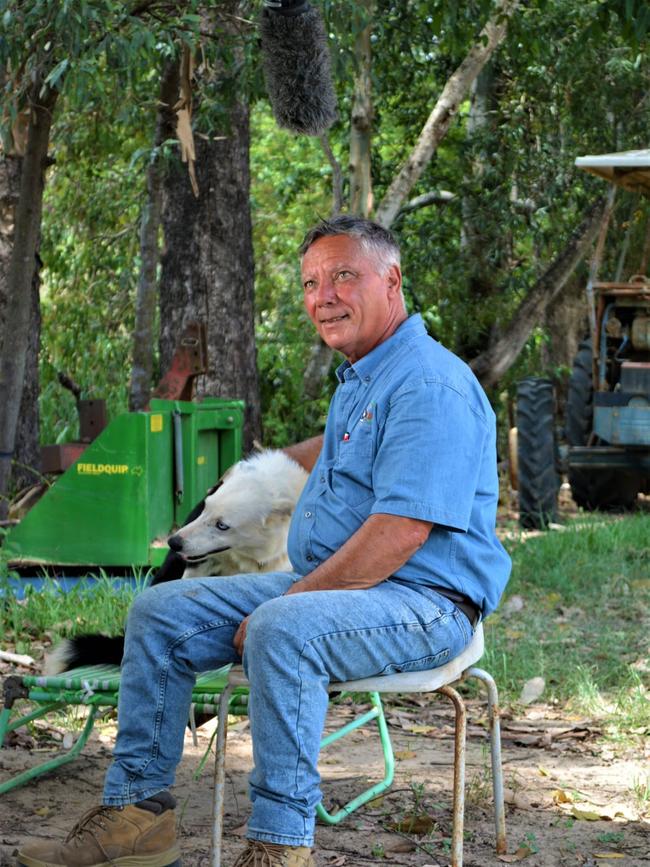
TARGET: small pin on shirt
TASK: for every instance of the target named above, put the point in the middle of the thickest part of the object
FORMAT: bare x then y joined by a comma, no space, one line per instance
346,437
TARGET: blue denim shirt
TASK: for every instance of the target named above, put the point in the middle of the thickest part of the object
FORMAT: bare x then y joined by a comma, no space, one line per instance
409,432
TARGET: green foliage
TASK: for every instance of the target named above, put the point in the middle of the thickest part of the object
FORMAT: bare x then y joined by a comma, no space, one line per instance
90,264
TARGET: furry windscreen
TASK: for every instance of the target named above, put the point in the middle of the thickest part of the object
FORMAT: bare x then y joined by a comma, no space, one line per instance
297,70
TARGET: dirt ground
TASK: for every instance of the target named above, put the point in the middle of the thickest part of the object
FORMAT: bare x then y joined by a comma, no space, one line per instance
570,795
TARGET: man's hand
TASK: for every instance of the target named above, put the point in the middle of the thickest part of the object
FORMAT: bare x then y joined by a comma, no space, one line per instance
240,636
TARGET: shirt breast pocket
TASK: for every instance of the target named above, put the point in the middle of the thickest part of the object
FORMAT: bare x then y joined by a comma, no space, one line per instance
352,472
361,443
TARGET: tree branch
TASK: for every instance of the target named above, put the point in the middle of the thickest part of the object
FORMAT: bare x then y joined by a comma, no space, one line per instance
433,197
444,111
492,364
337,174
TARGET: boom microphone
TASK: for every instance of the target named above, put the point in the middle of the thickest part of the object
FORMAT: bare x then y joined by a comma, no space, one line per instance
297,67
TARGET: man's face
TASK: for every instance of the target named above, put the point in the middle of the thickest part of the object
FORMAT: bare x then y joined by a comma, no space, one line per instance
353,306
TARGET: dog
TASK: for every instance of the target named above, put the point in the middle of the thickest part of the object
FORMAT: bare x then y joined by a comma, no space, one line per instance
241,526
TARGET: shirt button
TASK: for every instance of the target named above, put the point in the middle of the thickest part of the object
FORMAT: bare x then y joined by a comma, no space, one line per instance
309,558
307,514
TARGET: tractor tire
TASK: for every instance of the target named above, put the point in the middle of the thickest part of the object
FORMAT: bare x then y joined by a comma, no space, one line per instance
601,489
536,454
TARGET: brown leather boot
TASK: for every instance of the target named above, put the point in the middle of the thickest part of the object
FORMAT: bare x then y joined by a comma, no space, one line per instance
133,836
259,854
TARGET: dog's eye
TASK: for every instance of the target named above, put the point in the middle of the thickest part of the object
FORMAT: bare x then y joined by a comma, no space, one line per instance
221,526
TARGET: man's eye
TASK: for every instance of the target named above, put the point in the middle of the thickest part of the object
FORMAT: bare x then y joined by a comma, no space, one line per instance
308,284
221,526
343,274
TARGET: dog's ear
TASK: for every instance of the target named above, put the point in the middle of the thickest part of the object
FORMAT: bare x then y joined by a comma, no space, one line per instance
282,511
214,488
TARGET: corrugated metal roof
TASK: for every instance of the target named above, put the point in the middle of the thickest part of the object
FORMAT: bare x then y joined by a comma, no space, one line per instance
628,169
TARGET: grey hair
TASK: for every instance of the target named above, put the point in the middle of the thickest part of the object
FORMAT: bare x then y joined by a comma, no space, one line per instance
374,239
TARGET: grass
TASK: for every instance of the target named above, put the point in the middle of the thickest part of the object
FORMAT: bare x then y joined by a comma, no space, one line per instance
50,614
585,619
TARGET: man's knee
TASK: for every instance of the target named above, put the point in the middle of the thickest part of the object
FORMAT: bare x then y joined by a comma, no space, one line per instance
147,607
272,624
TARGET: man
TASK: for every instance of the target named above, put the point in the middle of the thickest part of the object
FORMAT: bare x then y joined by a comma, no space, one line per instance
395,560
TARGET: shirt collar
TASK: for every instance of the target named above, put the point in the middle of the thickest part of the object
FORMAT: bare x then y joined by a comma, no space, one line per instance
365,367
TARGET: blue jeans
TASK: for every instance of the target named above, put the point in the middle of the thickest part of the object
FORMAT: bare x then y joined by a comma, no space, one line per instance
294,646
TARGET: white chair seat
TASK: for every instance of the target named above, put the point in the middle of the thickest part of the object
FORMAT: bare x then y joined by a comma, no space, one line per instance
420,681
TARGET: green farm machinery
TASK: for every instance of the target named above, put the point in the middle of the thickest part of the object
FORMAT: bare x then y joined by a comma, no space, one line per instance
606,444
122,493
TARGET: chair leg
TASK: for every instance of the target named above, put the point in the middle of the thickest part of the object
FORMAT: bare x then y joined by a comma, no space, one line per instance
495,750
460,733
220,777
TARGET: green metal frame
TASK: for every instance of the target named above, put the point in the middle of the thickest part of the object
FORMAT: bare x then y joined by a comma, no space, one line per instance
97,687
376,713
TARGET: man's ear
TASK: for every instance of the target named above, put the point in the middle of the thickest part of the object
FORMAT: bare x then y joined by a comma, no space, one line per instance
394,278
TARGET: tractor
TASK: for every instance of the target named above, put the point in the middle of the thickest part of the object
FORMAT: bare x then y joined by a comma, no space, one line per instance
605,445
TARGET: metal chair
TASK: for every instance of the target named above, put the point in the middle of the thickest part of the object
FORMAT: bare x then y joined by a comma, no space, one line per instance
435,680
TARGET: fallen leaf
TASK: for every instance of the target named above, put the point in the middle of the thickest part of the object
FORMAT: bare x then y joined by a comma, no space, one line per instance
401,846
516,799
543,772
421,730
561,797
414,823
611,855
532,690
521,853
588,815
405,754
42,811
616,811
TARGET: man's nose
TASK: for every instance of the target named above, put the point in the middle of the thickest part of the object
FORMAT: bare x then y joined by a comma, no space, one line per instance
326,293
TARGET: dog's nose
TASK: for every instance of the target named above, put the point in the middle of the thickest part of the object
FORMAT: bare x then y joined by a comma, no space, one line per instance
175,543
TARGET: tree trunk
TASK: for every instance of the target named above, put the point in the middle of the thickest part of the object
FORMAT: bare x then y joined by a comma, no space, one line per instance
492,364
20,279
482,240
27,452
145,303
361,198
207,267
453,93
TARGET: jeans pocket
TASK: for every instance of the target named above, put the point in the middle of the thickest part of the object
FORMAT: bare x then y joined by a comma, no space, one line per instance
424,663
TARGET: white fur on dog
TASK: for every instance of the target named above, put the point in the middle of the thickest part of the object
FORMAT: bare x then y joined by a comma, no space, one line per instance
249,514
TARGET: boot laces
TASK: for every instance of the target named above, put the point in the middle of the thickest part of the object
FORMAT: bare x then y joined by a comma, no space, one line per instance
91,820
260,854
